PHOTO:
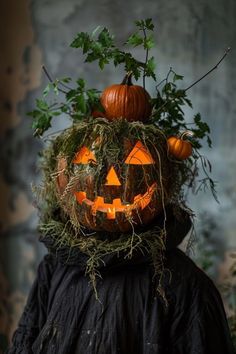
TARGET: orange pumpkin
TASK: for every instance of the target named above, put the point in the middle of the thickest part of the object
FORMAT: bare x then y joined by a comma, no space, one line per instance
126,100
129,189
180,148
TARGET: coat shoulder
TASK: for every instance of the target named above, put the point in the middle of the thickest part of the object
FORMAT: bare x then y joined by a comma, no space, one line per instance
184,269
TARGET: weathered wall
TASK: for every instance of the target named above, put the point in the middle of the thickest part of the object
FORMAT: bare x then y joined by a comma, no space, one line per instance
191,37
20,72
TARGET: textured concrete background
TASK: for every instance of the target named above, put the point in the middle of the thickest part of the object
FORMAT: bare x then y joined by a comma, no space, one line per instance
191,37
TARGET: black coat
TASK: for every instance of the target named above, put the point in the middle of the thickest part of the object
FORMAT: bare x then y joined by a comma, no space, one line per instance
62,315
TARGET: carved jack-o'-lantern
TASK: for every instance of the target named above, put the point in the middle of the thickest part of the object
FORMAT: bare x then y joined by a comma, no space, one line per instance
114,185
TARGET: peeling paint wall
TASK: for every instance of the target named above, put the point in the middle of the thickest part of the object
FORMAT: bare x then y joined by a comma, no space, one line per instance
191,38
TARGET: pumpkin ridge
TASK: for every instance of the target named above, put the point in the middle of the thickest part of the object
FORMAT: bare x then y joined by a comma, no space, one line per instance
141,102
179,148
132,103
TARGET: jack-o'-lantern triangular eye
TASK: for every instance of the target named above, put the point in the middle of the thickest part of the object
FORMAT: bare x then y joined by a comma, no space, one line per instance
112,178
139,155
84,156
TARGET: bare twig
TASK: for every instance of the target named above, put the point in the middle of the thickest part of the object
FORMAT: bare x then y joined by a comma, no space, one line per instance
146,57
165,79
208,179
51,80
47,74
215,67
197,81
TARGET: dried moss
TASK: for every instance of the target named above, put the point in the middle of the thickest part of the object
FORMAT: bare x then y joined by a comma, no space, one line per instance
96,246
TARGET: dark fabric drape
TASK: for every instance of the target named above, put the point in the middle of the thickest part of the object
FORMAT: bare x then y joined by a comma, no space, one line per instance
62,315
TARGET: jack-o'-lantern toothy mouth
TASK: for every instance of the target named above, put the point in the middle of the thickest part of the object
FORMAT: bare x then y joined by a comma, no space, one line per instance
141,201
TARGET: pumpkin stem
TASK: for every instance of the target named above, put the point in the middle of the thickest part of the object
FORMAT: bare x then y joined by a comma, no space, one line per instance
186,133
127,79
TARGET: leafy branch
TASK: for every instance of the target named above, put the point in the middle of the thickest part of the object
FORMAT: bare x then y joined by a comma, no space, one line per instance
167,107
78,103
168,111
101,47
147,41
42,116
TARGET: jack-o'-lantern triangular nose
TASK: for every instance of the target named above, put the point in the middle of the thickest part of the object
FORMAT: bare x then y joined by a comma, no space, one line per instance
112,178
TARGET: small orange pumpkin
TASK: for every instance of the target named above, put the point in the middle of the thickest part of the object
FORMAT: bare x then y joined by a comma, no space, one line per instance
180,148
127,101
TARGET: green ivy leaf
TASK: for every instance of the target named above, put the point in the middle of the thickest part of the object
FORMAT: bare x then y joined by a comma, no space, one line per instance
83,41
102,62
55,87
145,24
148,42
105,38
65,80
188,102
47,89
41,104
149,24
81,84
177,77
81,104
135,40
150,68
203,127
41,122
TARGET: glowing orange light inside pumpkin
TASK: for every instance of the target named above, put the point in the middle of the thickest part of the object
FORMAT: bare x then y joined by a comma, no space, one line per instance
112,178
111,213
140,202
139,156
84,156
